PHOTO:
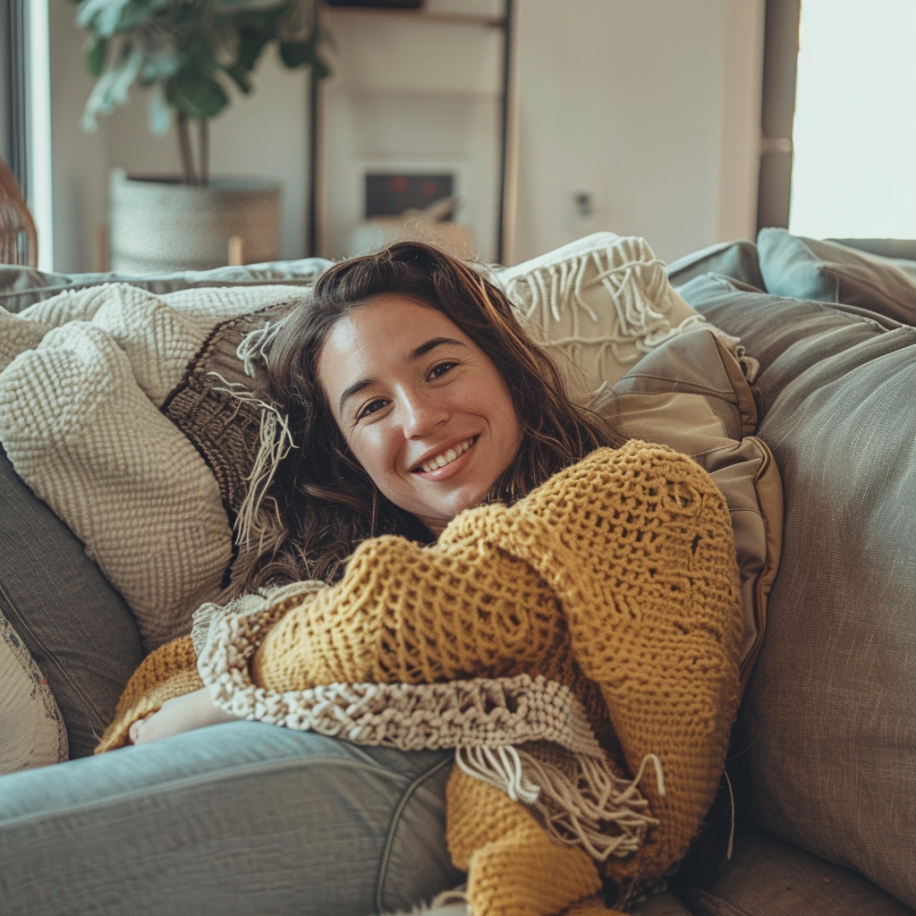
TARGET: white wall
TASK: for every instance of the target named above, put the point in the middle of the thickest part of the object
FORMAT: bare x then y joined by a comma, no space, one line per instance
651,105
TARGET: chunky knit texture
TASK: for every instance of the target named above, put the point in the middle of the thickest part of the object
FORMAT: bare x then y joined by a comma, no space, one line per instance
616,578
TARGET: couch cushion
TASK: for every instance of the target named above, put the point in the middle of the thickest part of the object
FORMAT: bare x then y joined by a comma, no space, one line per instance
78,631
829,272
827,722
768,878
737,260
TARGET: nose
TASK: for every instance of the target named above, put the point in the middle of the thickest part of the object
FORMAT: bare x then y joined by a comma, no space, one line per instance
422,412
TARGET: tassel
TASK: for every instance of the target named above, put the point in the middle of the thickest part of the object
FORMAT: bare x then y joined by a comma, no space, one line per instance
253,347
499,767
276,442
578,797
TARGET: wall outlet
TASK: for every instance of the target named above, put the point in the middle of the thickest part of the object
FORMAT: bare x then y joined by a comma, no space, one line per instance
585,210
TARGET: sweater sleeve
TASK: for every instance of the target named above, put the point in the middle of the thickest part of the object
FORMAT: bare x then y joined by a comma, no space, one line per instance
170,671
654,614
404,613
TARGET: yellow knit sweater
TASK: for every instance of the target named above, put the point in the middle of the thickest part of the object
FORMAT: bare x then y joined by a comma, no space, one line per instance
617,578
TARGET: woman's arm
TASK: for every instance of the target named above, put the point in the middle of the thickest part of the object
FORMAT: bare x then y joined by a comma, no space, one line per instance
409,614
180,714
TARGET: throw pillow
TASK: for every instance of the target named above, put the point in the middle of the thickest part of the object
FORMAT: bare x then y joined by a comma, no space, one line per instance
32,732
597,306
737,260
829,272
83,418
828,715
78,632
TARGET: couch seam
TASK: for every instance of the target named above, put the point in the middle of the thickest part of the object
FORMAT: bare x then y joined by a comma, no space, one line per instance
393,826
719,901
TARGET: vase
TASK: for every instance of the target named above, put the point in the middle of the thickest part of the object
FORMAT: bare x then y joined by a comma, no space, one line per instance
159,225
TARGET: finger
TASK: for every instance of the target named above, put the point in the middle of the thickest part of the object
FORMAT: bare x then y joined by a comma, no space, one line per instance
134,731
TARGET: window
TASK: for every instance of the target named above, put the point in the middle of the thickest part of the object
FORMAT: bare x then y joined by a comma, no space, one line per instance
854,168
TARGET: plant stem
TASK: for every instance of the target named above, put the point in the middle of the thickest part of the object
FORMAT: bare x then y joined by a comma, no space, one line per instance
187,156
203,150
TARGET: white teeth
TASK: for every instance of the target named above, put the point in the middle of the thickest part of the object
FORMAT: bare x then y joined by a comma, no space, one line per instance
447,457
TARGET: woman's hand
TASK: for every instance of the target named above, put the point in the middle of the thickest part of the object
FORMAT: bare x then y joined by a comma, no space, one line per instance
180,714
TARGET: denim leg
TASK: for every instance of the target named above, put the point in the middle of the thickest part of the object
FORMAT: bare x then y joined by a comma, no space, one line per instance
242,818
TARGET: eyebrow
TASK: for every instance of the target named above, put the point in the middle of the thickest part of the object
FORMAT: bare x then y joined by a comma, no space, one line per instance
414,354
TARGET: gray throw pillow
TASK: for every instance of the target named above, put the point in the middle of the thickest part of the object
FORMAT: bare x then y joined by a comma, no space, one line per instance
827,722
737,260
829,272
690,394
77,630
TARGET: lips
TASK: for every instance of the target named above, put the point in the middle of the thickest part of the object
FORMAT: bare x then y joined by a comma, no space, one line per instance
446,457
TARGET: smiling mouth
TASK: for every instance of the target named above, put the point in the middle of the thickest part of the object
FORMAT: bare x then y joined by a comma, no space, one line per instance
447,457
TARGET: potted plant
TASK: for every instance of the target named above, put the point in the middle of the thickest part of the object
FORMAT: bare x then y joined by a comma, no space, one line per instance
188,55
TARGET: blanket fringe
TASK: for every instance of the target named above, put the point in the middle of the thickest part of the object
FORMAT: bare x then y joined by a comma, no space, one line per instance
276,442
578,797
254,519
252,350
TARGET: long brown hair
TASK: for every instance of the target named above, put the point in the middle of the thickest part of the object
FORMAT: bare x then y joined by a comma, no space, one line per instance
328,503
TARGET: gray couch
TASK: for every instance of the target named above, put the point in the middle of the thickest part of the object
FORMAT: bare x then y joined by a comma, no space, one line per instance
824,752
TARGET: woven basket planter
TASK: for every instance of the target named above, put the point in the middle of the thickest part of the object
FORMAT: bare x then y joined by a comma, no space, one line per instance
159,225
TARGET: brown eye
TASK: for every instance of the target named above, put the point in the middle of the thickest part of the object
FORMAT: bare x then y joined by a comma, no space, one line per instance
371,408
441,368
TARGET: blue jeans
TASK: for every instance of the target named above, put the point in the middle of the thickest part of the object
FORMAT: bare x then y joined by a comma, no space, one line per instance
242,818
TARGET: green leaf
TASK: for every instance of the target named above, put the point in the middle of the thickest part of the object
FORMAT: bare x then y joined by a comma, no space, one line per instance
127,70
320,70
100,16
248,51
195,95
95,49
108,17
199,52
239,76
297,53
159,66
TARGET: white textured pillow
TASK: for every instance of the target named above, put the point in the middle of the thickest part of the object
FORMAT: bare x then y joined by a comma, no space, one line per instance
32,732
81,419
598,305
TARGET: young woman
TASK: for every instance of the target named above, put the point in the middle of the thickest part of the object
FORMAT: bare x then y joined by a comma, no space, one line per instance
517,622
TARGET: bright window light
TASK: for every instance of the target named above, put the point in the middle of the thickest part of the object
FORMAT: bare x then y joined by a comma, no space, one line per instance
854,171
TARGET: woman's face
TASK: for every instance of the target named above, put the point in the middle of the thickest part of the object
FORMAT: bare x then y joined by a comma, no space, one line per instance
423,409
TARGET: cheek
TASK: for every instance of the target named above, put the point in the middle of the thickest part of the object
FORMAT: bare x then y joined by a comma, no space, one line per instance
508,419
373,450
